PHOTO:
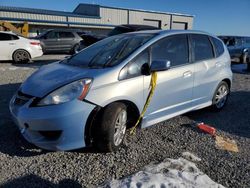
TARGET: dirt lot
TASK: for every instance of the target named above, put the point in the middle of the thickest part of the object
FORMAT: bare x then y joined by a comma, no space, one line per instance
24,165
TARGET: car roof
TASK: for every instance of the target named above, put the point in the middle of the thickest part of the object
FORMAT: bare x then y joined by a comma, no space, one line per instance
169,32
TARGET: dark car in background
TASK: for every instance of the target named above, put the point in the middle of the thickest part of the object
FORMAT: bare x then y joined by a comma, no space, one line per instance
238,47
89,39
56,40
130,28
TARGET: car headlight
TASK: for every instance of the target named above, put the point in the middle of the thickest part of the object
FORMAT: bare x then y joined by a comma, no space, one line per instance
74,90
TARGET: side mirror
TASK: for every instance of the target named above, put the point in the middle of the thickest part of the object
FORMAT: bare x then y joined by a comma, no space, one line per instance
145,69
160,65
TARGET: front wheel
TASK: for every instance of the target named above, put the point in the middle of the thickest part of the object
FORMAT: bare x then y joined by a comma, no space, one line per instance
220,96
109,131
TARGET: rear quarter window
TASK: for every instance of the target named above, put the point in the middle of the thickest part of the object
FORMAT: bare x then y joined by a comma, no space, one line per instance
201,47
66,35
218,47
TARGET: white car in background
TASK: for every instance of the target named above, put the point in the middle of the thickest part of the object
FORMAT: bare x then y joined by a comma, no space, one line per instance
18,48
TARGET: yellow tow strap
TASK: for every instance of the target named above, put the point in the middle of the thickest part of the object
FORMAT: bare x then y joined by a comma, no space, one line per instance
150,95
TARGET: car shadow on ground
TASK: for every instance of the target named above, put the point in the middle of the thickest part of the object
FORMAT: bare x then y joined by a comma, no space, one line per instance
31,181
35,63
233,119
38,62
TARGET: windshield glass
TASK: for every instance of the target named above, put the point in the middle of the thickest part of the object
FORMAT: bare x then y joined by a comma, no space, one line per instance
109,52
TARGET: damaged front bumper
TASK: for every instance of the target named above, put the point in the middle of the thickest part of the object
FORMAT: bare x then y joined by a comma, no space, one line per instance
53,127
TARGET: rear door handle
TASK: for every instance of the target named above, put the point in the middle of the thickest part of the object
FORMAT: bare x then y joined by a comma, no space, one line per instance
187,74
11,43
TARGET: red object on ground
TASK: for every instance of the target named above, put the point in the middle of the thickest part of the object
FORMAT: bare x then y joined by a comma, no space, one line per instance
206,128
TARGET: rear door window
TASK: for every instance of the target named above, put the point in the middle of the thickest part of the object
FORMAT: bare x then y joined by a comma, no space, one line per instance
52,35
173,49
201,47
66,35
218,46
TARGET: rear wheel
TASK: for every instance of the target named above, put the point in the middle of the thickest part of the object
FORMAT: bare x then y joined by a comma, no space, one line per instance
109,130
21,56
220,96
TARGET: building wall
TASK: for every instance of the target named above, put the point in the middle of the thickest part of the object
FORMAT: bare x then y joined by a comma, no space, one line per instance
176,20
109,18
136,17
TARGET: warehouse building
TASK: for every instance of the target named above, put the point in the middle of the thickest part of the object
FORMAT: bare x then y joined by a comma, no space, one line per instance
95,18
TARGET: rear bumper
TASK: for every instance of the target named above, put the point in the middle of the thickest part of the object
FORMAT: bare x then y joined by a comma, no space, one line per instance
66,120
36,52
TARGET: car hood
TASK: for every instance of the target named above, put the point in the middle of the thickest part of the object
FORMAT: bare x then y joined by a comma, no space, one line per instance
52,76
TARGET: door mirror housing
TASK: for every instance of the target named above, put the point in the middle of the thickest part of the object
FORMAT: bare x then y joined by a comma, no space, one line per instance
145,69
160,65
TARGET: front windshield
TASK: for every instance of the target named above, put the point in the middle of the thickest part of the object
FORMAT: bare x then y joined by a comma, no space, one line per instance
109,52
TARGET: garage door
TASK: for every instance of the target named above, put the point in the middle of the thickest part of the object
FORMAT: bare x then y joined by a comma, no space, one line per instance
155,23
179,25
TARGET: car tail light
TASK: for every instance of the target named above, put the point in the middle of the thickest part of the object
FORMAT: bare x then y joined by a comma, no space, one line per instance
35,43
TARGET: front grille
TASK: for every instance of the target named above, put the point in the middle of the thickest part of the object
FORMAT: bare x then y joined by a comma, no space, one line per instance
21,98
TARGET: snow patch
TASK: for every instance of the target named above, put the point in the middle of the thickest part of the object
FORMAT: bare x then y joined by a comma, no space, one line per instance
189,156
178,173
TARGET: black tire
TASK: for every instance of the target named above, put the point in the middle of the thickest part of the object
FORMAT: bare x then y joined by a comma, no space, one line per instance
218,101
105,128
75,49
248,65
21,56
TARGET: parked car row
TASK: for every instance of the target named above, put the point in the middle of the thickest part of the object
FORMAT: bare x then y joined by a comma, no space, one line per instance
20,49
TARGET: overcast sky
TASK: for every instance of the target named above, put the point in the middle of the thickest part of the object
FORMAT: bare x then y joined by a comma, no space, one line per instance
220,17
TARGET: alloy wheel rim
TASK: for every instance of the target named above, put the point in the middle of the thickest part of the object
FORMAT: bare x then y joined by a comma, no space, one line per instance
120,127
21,56
221,96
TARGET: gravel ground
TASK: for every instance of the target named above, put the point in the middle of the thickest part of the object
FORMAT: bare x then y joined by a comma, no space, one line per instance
24,165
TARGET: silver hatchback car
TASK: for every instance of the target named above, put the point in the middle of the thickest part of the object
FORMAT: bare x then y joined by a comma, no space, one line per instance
91,98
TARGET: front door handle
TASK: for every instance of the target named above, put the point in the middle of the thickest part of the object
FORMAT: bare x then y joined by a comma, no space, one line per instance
187,74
